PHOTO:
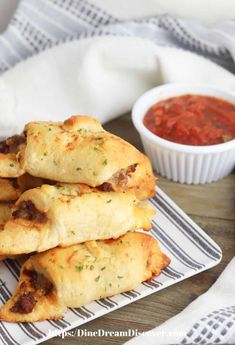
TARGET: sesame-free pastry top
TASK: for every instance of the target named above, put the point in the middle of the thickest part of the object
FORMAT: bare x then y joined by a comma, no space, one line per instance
79,150
74,276
65,214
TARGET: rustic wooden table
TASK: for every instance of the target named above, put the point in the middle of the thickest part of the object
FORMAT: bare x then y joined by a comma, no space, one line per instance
211,206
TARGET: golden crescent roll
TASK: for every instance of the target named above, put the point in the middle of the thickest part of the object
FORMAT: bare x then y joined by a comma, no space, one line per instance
74,276
79,150
48,216
9,149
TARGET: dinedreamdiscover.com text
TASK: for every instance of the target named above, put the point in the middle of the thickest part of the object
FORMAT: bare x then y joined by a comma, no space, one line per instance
103,333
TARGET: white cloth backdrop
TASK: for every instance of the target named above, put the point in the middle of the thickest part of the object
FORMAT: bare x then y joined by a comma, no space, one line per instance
101,76
97,65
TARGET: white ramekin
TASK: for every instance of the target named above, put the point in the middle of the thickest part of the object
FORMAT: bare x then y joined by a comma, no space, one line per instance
184,163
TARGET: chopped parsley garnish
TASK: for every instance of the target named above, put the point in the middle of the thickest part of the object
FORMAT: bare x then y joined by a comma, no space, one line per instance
11,165
79,169
82,130
49,129
54,161
103,268
105,162
72,232
62,267
45,153
120,277
79,267
91,267
94,173
108,201
97,278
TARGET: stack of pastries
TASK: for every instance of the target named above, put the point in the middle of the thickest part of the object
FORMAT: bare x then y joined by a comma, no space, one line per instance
71,196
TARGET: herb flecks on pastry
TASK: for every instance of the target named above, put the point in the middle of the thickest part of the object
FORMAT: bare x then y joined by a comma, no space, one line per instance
81,151
74,276
65,214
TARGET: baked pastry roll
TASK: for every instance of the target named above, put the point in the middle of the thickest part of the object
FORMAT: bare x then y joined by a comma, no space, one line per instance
49,216
9,148
74,276
81,151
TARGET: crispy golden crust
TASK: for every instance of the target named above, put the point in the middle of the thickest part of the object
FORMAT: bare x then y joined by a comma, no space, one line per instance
68,214
81,151
85,272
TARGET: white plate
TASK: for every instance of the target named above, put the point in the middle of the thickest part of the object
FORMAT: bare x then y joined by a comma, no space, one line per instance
190,249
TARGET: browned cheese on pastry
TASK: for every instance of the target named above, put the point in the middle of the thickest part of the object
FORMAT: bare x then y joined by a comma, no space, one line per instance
64,214
74,276
79,150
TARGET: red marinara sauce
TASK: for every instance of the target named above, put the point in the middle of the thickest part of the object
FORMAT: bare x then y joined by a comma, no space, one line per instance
192,120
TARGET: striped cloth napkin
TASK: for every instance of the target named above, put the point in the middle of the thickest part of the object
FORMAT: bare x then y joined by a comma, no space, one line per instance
210,319
40,24
77,56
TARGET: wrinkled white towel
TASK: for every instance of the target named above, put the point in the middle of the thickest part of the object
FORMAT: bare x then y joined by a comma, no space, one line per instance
40,24
210,319
101,76
102,67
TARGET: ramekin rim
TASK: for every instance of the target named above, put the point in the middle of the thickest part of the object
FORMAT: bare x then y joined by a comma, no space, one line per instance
137,119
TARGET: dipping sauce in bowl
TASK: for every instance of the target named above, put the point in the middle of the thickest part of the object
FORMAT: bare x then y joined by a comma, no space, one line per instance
192,120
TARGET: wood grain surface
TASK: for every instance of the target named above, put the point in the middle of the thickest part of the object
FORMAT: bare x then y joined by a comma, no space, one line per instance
212,207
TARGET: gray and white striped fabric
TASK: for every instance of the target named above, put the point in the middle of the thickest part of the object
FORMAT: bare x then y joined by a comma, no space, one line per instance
189,248
40,24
